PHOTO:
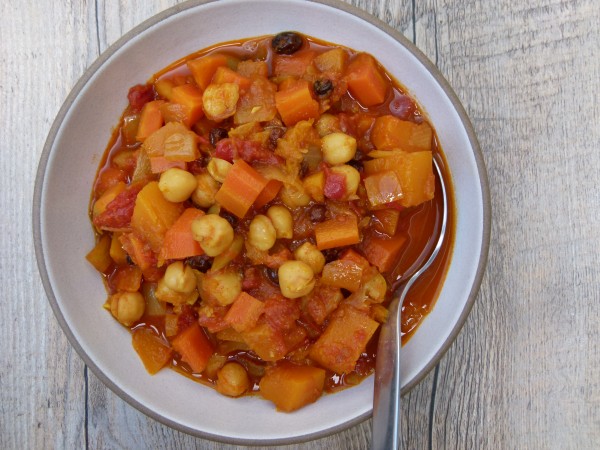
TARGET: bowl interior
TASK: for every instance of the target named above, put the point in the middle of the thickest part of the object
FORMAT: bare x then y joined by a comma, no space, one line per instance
64,233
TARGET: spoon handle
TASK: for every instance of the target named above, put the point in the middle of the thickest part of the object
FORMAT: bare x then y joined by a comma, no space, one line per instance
386,400
386,395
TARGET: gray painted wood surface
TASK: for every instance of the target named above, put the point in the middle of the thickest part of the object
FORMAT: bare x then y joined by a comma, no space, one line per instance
525,370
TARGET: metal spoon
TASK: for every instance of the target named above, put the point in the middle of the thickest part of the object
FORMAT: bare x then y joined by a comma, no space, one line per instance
386,396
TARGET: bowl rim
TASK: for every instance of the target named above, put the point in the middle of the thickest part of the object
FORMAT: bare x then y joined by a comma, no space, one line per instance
45,156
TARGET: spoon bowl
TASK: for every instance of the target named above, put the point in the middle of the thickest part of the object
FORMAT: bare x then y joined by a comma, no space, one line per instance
386,396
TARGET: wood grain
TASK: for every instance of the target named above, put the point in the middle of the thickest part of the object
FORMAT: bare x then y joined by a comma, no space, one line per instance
523,373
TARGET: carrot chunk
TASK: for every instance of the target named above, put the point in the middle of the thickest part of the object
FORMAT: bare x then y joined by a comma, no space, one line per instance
268,193
381,252
151,120
365,81
179,241
194,347
244,312
203,69
241,188
296,103
190,97
337,232
291,386
226,75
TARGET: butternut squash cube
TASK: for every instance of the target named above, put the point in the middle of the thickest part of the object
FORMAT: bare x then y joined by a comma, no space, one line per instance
153,215
414,171
389,132
344,339
291,386
153,351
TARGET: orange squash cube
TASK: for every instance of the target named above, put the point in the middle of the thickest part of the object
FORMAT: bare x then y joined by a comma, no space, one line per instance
389,132
152,350
203,69
343,274
344,339
153,215
414,171
291,386
244,312
190,97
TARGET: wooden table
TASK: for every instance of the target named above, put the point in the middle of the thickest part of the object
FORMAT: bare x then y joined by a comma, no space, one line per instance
525,370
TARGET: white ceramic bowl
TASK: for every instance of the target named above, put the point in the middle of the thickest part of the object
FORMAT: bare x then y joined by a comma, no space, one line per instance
63,233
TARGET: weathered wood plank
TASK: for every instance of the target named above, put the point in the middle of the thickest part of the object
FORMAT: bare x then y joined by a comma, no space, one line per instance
43,50
520,373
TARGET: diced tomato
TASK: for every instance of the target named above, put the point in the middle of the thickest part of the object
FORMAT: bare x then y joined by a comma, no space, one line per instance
140,252
139,95
281,313
335,185
252,278
402,107
214,322
118,212
250,151
107,178
186,318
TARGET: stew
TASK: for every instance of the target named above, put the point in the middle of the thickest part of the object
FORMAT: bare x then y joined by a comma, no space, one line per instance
255,208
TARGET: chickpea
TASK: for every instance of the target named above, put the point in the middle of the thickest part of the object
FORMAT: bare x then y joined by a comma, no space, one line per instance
127,307
352,177
180,278
213,233
294,195
296,279
221,287
311,255
176,184
219,168
214,209
165,294
232,380
262,233
282,221
219,100
338,148
327,124
206,189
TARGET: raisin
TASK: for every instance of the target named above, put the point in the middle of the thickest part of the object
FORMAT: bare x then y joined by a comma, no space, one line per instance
233,220
287,43
323,87
317,213
331,254
274,134
272,275
358,165
216,134
201,263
